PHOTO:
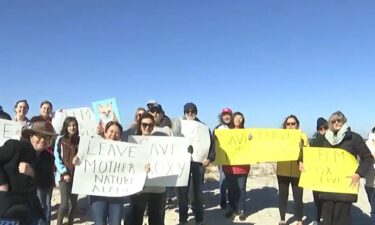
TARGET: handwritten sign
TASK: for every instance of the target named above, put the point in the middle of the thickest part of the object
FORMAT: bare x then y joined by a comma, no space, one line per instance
198,136
9,130
85,118
109,168
170,160
245,146
328,170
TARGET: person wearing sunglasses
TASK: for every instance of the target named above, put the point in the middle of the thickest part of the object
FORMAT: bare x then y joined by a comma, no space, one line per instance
132,130
336,206
161,120
154,198
317,141
288,173
25,166
196,176
370,177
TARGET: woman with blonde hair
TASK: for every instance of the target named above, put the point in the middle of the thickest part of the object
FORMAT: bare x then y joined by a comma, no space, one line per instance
336,206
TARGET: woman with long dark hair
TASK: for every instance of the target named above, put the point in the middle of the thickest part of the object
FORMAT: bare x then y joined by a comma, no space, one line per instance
66,148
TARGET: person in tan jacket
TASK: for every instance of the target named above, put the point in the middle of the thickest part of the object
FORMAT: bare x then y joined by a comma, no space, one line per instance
288,173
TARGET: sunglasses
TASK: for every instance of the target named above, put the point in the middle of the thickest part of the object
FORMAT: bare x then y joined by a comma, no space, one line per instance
155,110
291,124
144,125
336,120
41,136
190,111
323,128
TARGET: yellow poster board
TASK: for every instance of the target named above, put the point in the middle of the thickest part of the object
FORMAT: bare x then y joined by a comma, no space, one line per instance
328,170
253,145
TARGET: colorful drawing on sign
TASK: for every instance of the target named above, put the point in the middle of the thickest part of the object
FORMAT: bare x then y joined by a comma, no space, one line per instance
328,170
105,111
246,146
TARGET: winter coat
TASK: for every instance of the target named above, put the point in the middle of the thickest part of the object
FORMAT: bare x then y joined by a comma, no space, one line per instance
22,188
354,144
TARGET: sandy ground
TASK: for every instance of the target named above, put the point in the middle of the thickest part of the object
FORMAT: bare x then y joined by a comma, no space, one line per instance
261,205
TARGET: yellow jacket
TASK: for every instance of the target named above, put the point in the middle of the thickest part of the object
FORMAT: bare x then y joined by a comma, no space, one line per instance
290,168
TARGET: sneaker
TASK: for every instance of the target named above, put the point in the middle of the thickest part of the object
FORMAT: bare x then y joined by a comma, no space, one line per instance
231,214
242,216
314,223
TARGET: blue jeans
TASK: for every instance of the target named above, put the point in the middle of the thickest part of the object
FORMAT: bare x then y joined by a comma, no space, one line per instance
223,188
105,209
45,196
236,191
155,203
371,198
197,177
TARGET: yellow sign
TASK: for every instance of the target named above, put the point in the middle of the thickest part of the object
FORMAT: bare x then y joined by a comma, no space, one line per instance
328,170
247,146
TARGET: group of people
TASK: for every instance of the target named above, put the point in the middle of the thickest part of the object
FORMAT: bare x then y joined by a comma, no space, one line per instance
31,167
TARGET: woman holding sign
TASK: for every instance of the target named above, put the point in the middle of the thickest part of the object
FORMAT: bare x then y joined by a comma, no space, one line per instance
336,206
288,173
236,176
108,208
154,198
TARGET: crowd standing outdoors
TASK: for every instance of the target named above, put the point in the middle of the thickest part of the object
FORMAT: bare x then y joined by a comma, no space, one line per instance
30,168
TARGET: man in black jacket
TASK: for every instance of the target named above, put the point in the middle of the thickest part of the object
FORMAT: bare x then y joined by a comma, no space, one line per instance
19,165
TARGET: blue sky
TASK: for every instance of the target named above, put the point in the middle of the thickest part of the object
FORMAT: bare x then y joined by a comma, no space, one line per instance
267,59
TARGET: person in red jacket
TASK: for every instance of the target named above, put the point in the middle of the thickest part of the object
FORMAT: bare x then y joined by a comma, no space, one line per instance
236,176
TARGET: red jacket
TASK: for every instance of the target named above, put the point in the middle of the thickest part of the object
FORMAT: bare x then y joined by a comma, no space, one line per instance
236,169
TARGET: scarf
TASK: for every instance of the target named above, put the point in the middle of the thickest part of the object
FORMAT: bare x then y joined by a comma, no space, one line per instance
335,139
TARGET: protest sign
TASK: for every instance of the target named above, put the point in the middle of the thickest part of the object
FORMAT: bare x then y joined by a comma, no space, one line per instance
109,168
85,118
106,110
169,160
9,130
328,170
198,136
246,146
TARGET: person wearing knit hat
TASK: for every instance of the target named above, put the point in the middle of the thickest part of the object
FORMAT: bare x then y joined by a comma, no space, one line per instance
196,175
21,173
321,125
317,141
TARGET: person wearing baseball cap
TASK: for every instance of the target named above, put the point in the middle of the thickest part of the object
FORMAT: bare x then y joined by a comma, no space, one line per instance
155,109
21,163
226,122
